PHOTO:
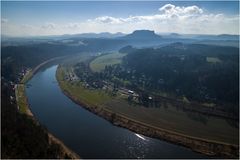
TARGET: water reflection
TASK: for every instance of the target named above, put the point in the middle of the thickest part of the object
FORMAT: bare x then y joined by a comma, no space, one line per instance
140,136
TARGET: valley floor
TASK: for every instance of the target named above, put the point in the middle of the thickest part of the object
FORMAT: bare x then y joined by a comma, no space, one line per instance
195,130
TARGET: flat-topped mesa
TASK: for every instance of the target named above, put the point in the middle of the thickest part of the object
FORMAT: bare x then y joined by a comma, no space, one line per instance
142,34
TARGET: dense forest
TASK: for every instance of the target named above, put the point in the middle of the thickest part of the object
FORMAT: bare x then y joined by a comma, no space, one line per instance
189,70
200,72
21,136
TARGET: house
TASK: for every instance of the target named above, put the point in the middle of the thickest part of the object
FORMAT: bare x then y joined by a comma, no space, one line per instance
161,81
130,92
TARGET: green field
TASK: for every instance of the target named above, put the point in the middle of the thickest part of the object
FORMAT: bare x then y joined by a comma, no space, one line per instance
99,63
92,97
72,60
21,98
173,119
213,60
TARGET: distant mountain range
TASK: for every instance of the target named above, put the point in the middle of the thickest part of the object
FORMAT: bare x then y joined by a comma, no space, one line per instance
137,34
217,37
96,35
65,36
138,38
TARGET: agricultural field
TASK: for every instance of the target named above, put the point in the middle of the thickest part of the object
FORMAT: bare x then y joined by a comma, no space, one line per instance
213,60
175,119
99,63
70,61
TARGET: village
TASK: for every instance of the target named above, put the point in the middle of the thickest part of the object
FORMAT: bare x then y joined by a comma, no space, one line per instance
81,74
93,81
13,84
101,84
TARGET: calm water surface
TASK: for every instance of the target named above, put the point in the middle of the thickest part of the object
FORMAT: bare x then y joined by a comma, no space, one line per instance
87,134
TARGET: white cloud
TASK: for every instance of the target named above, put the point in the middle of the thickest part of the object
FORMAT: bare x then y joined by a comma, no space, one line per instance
176,10
4,20
72,26
49,26
169,18
108,19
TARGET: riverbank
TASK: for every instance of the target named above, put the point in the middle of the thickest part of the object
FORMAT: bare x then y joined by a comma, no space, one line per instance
23,107
208,147
30,74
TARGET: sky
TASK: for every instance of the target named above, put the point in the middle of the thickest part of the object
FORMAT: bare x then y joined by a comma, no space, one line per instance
36,18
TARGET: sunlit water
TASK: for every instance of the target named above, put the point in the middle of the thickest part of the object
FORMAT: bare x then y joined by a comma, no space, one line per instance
87,134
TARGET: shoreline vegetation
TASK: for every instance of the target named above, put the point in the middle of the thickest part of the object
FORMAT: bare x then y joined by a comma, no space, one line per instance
201,145
23,107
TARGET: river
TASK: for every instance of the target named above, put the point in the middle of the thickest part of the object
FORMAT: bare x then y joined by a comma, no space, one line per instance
87,134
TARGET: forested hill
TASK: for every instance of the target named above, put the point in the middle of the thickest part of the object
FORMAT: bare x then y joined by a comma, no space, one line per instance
200,72
21,136
200,49
14,58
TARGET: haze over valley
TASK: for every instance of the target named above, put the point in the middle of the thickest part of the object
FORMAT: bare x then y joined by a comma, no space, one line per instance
87,80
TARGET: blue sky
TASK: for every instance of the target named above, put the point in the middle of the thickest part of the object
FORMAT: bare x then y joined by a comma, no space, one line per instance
50,18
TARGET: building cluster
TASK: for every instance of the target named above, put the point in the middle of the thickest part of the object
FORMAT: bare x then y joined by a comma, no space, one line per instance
71,77
22,73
